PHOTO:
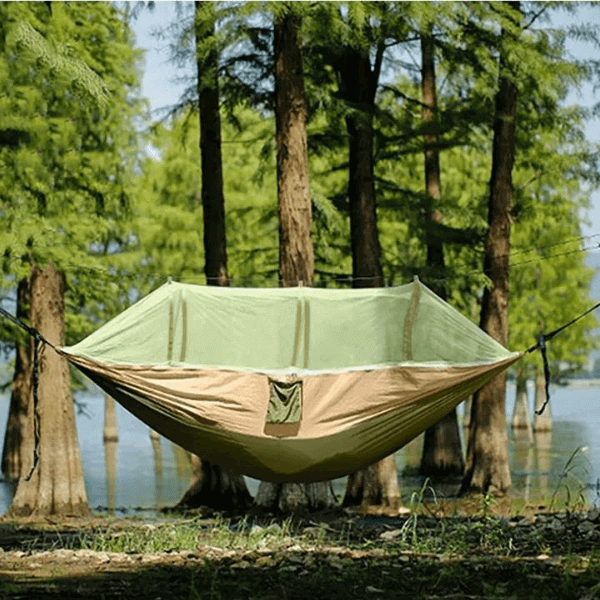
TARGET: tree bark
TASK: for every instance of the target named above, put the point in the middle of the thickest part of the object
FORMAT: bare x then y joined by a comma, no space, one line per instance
212,485
377,485
296,254
442,449
213,200
18,442
358,88
110,436
56,486
487,468
216,487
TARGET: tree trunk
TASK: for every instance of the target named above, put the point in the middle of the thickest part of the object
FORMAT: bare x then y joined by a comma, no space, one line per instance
487,466
212,485
442,449
357,80
110,433
215,487
56,486
213,201
520,420
110,436
378,483
110,468
18,442
158,458
296,255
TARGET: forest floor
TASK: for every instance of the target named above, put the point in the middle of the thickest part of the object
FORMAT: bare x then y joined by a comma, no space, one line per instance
433,552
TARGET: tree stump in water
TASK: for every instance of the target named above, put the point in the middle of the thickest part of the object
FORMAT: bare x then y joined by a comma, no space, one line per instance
541,422
520,422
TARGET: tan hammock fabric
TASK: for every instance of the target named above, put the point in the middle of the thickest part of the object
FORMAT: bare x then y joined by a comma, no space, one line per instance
282,422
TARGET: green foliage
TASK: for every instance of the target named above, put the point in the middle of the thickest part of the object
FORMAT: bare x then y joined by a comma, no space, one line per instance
74,193
554,171
169,225
68,80
75,74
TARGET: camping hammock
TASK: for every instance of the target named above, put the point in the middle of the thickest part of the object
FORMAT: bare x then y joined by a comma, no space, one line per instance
290,384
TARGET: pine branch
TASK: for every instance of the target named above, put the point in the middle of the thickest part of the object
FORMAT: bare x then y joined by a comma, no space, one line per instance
58,60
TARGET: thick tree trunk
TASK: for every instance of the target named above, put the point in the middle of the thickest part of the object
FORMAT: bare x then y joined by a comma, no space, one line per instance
433,180
296,255
212,485
56,486
442,449
377,484
215,487
487,467
18,441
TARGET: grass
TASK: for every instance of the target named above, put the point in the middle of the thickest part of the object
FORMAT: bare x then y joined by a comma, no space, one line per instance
476,548
177,535
476,554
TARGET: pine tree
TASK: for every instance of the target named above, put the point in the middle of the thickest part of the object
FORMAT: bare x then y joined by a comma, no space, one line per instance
296,258
487,467
211,484
63,198
442,451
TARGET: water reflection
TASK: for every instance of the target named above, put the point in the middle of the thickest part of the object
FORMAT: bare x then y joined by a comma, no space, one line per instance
125,467
522,461
543,460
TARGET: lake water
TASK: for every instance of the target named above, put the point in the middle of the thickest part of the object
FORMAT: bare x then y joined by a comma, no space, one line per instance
137,475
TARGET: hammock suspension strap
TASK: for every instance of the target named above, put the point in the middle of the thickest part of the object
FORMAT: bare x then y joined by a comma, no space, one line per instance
541,346
39,342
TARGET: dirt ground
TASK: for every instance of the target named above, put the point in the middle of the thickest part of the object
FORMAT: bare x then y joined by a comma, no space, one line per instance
365,556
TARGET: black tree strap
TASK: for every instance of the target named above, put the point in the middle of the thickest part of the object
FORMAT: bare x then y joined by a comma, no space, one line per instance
35,380
541,346
39,342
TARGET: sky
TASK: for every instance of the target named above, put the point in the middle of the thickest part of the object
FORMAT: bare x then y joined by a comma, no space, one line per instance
159,83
